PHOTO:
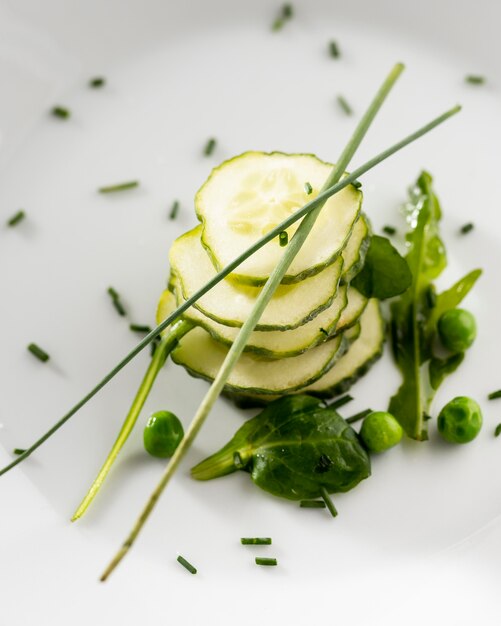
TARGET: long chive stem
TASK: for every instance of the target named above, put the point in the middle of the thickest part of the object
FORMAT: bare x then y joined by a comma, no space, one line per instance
166,345
297,215
262,301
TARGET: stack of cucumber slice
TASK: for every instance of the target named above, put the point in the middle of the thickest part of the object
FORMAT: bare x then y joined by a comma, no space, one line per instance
318,334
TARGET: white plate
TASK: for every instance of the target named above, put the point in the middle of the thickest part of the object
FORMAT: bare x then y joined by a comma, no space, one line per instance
179,73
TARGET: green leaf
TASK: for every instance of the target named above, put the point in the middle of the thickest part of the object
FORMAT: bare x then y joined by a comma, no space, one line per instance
426,259
451,298
385,273
293,449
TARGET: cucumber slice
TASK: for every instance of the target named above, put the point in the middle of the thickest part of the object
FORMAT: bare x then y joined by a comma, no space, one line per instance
273,344
202,357
356,249
358,359
352,313
231,304
247,196
367,339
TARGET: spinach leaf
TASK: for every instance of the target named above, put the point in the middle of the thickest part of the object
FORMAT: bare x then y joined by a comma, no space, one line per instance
293,449
416,312
385,273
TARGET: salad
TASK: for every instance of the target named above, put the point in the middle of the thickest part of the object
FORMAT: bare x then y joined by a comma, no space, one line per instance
277,298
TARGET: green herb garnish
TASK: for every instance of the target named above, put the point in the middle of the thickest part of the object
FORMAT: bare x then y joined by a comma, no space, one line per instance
343,103
97,82
296,449
38,352
466,228
494,395
475,79
389,230
385,273
358,416
414,322
61,112
283,238
286,13
186,564
19,451
497,430
209,147
115,298
337,404
255,541
308,188
262,560
16,218
312,504
174,210
334,49
138,328
328,502
131,184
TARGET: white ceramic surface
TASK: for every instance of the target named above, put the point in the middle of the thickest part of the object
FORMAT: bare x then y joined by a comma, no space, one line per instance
421,536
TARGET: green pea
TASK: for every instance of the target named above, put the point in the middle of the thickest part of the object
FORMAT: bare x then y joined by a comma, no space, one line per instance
460,420
457,330
162,434
380,431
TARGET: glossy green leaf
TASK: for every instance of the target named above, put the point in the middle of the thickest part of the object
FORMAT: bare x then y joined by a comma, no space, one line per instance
385,273
293,449
426,259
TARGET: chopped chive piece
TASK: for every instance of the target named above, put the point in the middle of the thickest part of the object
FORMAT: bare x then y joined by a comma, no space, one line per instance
389,230
497,432
255,541
38,352
19,451
328,502
334,49
475,79
174,210
312,504
286,13
426,417
131,184
341,401
357,184
138,328
494,395
186,564
466,228
343,103
283,238
61,112
324,332
16,218
261,560
308,188
209,147
115,298
97,82
358,416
